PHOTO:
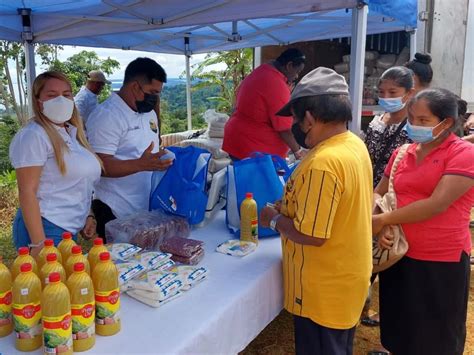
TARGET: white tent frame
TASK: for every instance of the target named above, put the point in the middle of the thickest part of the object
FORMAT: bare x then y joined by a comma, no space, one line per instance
53,33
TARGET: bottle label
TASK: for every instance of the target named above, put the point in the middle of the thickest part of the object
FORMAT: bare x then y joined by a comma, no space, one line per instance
57,334
5,308
27,320
107,306
83,316
254,228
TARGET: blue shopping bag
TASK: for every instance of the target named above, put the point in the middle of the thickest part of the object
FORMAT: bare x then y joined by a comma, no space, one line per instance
181,190
258,174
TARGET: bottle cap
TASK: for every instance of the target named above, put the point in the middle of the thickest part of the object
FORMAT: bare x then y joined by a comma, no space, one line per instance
249,195
48,242
23,251
76,249
51,257
79,267
104,256
98,241
67,235
54,277
26,267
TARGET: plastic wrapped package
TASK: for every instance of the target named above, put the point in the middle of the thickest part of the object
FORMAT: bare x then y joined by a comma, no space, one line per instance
146,229
386,61
181,246
152,259
341,68
216,123
153,281
236,247
190,275
128,271
122,251
216,165
150,301
194,259
212,145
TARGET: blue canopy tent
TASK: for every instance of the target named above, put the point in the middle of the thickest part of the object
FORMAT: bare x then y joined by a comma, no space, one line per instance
187,27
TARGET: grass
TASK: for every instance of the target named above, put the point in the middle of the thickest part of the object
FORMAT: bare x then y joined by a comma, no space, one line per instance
277,338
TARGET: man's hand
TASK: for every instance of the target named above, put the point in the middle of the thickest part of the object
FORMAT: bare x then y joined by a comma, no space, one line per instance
151,161
266,215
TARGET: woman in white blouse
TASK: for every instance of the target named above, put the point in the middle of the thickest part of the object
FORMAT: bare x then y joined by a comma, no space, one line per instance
55,167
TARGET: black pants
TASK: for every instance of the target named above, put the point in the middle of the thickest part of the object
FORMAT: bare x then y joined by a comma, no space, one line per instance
103,214
314,339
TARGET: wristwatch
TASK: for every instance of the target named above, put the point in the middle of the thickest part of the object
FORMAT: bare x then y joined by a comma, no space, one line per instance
273,222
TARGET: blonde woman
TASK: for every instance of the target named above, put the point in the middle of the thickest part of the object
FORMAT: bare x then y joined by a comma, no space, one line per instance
55,167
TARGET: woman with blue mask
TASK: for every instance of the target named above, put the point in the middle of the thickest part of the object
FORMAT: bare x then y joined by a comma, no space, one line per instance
385,133
423,297
55,168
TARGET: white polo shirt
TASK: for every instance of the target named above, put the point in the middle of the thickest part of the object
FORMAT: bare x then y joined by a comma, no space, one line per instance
86,101
63,199
115,129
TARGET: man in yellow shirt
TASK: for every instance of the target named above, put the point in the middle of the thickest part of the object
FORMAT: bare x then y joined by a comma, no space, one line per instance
325,218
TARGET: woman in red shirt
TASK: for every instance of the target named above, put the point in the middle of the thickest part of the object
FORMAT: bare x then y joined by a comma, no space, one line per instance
423,297
254,125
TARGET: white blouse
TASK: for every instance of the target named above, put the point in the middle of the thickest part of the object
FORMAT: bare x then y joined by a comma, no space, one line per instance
63,199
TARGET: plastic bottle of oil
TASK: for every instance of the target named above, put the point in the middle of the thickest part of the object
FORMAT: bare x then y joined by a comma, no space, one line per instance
81,290
107,296
52,265
26,309
47,249
249,219
23,258
57,320
6,322
95,251
66,245
76,257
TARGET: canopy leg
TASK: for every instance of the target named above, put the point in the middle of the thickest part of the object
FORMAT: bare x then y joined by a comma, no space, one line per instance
187,54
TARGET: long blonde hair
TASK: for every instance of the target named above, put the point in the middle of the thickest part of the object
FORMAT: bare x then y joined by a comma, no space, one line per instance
59,146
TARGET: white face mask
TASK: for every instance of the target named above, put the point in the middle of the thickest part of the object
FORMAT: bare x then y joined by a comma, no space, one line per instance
59,109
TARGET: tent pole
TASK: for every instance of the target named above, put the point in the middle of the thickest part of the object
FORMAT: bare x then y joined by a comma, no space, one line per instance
27,36
412,44
257,57
187,55
359,34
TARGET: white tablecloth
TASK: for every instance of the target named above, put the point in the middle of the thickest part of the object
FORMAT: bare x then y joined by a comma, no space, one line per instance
222,315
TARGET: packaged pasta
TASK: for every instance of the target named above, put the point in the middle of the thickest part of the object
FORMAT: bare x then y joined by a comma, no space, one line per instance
122,251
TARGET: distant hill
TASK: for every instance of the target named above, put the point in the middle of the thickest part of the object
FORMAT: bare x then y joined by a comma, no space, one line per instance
117,83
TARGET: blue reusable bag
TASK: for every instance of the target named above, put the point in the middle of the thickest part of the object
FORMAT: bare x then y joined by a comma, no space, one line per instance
181,190
257,174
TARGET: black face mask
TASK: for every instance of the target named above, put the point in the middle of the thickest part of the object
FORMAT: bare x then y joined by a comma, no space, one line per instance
299,135
148,103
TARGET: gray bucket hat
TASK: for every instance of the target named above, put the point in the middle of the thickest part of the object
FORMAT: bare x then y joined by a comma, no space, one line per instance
320,81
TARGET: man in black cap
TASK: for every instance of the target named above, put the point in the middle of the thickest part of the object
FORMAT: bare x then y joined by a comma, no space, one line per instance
325,218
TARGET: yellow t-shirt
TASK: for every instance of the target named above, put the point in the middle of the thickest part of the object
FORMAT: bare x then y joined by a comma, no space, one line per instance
329,196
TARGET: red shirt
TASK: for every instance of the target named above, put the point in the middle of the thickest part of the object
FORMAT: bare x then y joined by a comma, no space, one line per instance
254,127
444,236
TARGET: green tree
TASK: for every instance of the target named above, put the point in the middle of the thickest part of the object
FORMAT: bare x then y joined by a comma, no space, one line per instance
14,99
8,127
77,66
238,64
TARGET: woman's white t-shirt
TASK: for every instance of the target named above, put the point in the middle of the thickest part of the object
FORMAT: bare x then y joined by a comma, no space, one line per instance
63,199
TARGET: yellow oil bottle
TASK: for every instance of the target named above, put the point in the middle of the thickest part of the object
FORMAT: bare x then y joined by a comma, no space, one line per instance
57,320
47,249
26,309
6,321
65,246
81,290
94,253
249,219
52,265
23,258
107,296
76,257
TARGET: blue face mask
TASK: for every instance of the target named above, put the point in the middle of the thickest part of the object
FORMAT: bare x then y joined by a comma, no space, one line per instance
392,105
420,134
